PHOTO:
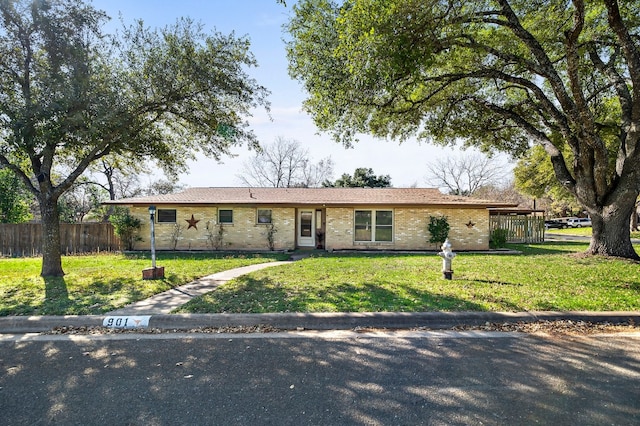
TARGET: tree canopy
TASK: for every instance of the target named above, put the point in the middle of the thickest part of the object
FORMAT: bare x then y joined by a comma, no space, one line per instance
362,178
500,75
71,95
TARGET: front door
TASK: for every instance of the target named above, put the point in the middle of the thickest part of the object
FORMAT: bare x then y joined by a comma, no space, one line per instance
306,226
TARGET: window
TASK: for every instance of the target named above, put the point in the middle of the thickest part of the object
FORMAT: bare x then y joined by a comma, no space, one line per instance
384,225
166,216
373,225
363,225
225,216
264,216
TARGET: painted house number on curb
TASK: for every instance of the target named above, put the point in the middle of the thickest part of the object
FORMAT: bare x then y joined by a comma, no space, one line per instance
127,322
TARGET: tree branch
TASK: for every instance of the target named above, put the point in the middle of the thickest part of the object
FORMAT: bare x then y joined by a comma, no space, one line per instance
5,163
513,22
557,158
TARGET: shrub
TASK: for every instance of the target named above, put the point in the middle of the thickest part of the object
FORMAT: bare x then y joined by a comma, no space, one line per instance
126,227
499,238
438,229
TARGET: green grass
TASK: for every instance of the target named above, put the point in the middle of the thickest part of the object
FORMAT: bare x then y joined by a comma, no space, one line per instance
95,284
547,276
583,232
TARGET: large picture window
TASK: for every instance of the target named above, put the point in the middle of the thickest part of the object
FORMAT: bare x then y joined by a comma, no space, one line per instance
373,225
166,216
225,216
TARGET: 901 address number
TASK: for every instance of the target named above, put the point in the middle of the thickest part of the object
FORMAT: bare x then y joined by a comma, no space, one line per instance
127,322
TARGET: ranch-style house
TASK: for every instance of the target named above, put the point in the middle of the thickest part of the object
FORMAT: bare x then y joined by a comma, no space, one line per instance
298,218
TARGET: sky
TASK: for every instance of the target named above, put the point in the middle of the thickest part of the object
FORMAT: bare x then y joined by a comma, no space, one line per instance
261,21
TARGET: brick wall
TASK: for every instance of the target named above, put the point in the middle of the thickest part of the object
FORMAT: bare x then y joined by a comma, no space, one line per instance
411,229
243,234
469,229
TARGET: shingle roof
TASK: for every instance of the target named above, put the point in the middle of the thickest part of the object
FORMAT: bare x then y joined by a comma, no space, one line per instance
312,196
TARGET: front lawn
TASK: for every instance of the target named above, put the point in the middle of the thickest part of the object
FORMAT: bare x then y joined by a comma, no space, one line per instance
96,284
549,276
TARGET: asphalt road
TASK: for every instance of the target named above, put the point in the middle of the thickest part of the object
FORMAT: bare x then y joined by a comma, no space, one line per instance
321,378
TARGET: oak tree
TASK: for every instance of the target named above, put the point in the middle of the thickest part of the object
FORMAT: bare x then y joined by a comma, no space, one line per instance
71,94
499,75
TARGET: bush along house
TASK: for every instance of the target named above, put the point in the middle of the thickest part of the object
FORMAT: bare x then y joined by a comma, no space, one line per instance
303,218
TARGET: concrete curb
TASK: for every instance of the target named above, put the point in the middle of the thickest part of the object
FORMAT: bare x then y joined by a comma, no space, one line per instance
314,321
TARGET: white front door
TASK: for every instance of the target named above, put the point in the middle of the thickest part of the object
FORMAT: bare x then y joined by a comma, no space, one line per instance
306,227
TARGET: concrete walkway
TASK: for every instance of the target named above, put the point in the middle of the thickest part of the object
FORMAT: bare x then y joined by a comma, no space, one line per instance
164,303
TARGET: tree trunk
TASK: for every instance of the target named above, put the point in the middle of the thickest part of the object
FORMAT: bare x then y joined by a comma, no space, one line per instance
610,233
51,253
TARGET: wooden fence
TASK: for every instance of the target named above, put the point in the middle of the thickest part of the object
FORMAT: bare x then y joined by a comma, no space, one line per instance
25,239
522,229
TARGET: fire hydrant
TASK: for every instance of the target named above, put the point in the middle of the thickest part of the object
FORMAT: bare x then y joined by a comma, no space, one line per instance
447,256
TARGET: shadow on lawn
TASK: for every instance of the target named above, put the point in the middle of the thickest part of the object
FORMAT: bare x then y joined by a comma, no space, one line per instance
173,255
56,295
378,297
56,299
550,247
250,295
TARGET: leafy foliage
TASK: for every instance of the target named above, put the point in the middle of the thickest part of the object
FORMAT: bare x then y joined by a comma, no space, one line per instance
498,75
362,178
71,95
15,200
126,227
438,229
534,177
499,237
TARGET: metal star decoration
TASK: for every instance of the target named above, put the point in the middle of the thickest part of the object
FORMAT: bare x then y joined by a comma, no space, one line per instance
470,225
192,222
